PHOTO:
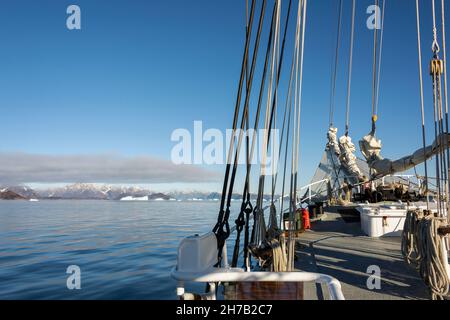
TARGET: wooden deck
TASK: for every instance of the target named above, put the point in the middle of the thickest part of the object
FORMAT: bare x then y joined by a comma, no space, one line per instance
339,249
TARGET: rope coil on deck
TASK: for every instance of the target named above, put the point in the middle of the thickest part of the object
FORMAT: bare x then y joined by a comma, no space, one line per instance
410,248
423,247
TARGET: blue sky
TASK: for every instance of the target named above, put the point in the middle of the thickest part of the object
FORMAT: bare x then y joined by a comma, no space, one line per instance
140,69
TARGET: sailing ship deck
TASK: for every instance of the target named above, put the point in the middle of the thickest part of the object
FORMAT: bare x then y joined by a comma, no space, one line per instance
339,249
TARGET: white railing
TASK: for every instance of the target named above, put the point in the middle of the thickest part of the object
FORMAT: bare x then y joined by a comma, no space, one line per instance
239,275
300,191
407,177
309,186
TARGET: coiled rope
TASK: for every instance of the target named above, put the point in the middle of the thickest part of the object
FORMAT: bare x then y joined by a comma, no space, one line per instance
410,242
423,246
432,263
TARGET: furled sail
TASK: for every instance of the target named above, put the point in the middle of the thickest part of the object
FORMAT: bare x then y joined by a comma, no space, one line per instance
348,158
371,150
338,164
329,176
333,143
344,149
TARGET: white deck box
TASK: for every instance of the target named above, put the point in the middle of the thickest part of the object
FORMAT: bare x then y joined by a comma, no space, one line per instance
382,220
197,253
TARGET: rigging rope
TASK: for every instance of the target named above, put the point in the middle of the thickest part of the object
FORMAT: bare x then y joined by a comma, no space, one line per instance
235,121
436,70
444,163
275,168
336,62
246,207
380,55
419,48
245,220
350,69
435,45
258,114
444,40
222,228
259,226
300,40
276,90
247,119
293,196
245,112
240,222
374,72
421,242
288,105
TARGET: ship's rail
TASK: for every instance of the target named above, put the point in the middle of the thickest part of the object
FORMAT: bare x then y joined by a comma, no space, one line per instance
299,201
239,275
302,190
197,257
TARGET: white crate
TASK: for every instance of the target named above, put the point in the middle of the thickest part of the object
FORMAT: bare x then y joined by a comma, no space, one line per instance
197,253
382,221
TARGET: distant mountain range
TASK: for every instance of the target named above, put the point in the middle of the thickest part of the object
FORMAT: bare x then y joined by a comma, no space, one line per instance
20,191
83,191
6,194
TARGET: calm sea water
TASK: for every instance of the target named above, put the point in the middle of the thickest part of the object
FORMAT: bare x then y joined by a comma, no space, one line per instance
125,249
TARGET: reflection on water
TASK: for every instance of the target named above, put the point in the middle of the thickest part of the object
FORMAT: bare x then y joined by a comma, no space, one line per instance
125,249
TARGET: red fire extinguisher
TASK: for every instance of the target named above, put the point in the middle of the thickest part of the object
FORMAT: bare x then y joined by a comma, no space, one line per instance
306,220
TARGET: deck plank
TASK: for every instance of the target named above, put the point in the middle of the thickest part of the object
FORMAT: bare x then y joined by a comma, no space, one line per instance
341,250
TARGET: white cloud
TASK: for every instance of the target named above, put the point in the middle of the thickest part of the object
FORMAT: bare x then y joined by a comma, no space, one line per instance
39,168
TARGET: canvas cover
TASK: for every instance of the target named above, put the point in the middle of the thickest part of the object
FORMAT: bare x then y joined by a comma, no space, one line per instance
371,149
348,158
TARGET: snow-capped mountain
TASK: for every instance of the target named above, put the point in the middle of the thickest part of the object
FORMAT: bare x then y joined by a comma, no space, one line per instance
117,193
85,191
189,195
22,191
75,191
93,192
207,196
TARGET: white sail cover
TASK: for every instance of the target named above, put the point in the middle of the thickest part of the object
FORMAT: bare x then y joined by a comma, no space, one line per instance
371,149
333,143
348,158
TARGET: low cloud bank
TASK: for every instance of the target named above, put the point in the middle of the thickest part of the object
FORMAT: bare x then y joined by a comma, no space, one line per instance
35,168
